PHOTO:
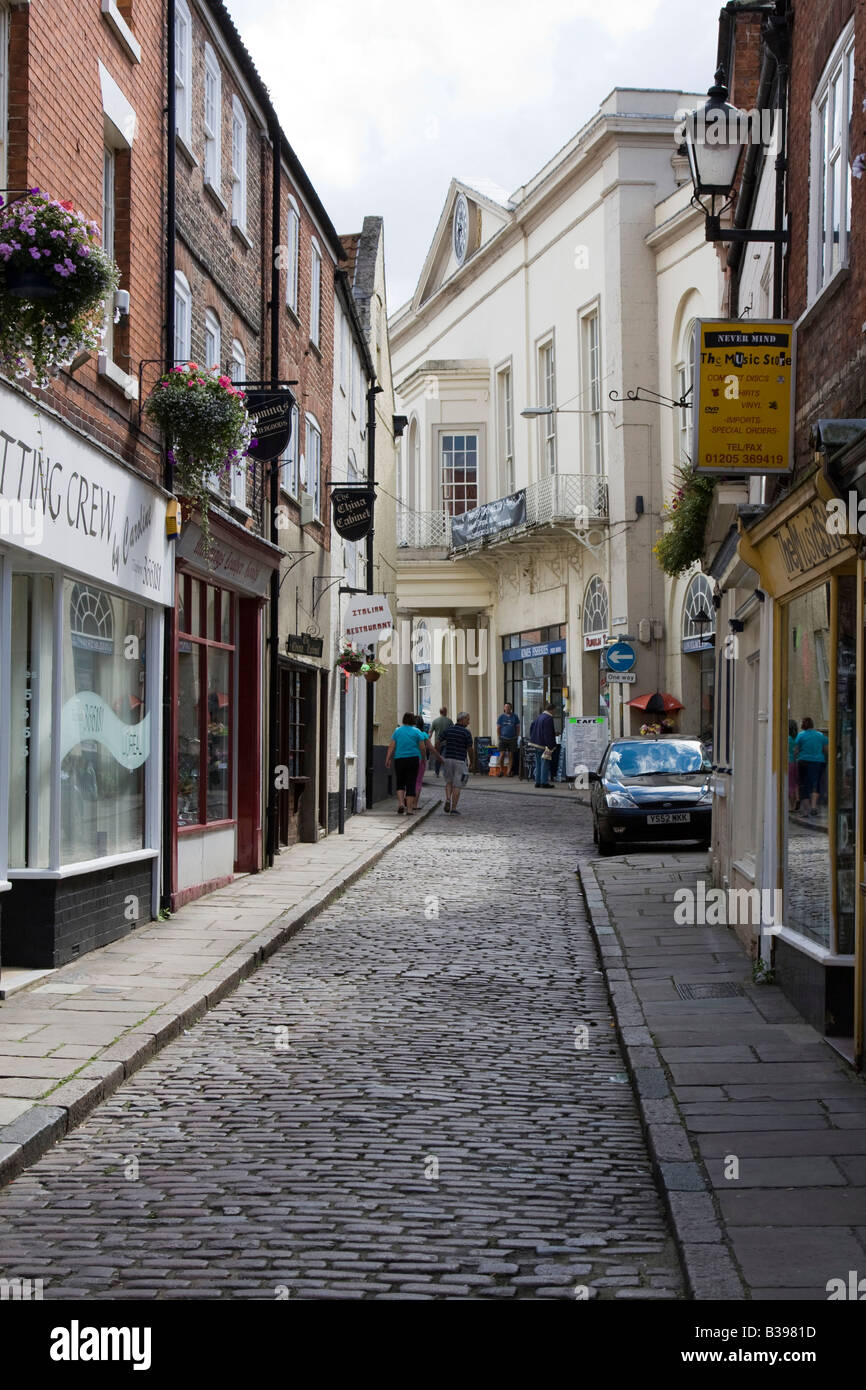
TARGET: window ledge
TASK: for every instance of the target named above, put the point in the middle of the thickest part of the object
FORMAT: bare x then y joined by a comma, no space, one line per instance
241,234
293,314
185,150
838,280
117,376
87,866
117,22
820,953
212,190
316,349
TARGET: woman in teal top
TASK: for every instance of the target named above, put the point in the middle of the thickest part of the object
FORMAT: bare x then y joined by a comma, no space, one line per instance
810,746
407,745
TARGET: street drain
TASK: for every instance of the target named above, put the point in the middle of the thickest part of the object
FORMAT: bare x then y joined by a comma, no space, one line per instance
723,989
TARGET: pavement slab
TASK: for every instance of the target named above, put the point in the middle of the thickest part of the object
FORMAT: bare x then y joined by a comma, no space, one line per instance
774,1120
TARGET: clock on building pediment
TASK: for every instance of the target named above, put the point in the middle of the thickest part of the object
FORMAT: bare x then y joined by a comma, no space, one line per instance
460,228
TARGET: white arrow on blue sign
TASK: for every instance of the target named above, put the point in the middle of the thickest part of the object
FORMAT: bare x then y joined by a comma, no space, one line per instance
620,657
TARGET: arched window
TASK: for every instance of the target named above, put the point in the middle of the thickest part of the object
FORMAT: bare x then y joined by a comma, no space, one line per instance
91,619
698,604
596,614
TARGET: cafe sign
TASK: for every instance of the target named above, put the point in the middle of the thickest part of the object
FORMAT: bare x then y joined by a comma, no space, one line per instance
743,397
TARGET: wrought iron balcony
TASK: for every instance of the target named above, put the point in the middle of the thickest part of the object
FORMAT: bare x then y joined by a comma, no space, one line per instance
570,499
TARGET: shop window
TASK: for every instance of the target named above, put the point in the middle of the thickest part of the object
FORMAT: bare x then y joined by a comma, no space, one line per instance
807,854
830,183
105,725
205,702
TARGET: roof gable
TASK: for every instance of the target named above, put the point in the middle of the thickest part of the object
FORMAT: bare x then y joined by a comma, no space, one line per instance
487,216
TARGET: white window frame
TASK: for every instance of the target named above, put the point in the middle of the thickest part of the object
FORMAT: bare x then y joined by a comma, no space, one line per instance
238,372
293,247
315,293
182,318
239,165
451,493
109,220
356,381
505,427
830,156
313,458
590,370
213,331
183,71
289,477
4,95
213,128
344,347
547,461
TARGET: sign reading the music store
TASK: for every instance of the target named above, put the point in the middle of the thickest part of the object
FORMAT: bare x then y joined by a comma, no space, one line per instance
744,396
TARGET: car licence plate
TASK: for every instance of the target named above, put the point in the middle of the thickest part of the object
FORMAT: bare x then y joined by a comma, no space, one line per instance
674,818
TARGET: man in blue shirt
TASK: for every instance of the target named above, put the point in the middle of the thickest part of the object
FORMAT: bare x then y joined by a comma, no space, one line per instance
508,726
456,747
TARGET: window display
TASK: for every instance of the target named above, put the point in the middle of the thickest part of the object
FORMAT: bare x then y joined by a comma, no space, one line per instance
205,702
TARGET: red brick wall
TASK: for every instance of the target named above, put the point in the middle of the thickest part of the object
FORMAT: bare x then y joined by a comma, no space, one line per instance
56,143
831,366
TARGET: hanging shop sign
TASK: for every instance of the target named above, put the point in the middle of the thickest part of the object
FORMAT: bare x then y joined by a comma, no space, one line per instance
302,644
272,416
367,619
489,519
792,545
352,511
744,396
63,499
594,641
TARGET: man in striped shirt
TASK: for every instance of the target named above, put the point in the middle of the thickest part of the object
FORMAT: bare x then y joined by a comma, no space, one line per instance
456,747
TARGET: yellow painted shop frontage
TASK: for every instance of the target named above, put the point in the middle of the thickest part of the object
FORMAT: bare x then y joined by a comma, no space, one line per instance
812,580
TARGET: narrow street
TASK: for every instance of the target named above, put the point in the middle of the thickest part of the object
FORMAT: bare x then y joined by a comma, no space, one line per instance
397,1105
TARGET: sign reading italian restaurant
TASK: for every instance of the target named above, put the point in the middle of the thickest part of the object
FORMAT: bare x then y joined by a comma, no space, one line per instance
352,511
744,396
63,499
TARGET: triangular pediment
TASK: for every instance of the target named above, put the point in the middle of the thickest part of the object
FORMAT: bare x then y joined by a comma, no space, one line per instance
481,217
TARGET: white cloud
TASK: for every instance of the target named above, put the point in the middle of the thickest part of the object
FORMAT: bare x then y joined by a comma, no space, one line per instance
383,104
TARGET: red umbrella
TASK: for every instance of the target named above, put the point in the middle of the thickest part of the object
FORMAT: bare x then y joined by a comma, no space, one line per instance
662,704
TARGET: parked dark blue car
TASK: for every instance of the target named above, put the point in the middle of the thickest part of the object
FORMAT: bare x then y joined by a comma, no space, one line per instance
651,789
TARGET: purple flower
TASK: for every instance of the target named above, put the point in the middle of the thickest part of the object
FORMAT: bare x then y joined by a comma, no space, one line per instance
33,191
61,270
169,453
56,232
35,254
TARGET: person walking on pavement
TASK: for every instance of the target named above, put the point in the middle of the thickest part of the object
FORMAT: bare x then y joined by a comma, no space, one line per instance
810,748
508,728
437,729
408,745
542,735
457,745
422,765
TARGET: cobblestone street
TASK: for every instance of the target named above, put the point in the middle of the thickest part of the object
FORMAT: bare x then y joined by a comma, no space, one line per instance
393,1107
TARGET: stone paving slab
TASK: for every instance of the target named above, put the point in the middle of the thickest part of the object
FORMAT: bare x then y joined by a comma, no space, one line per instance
767,1187
67,1040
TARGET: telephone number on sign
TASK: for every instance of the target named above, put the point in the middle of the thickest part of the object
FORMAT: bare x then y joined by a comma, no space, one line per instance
745,460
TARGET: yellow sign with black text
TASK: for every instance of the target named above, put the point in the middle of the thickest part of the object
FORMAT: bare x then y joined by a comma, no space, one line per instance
744,396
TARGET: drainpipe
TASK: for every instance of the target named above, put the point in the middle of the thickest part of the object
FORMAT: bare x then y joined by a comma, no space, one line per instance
168,811
274,637
371,478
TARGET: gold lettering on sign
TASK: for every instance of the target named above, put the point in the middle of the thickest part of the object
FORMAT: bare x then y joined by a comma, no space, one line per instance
804,542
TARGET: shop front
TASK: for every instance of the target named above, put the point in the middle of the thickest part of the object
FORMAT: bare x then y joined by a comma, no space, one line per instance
811,572
535,673
86,573
218,685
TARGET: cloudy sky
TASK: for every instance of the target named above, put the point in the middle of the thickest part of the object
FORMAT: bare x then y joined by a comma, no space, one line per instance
384,102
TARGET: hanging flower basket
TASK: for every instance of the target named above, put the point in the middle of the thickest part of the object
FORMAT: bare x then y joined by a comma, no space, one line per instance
372,670
206,425
350,659
682,543
54,280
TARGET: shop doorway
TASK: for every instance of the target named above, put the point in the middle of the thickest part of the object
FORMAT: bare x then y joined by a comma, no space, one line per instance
292,755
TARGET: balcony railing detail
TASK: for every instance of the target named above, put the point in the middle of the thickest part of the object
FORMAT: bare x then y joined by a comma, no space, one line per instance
565,498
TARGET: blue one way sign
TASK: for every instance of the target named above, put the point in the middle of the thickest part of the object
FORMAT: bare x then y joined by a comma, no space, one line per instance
620,657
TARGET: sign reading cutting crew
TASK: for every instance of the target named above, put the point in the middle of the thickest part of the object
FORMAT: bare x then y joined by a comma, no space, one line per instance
63,499
744,396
